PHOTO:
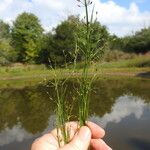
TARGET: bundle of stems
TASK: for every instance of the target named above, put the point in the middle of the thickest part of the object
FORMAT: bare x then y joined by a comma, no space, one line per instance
63,112
88,53
63,108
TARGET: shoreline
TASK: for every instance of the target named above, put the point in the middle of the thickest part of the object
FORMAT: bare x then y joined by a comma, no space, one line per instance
108,72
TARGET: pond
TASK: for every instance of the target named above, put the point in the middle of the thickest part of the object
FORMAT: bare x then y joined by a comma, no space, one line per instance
120,106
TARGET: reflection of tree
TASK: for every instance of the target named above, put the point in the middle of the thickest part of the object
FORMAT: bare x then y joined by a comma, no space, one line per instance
101,98
107,91
32,107
34,110
135,87
8,112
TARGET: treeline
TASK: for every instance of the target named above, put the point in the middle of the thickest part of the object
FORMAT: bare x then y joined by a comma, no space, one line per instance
138,43
26,42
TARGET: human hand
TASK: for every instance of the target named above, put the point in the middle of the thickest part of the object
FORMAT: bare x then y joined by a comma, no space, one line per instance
80,139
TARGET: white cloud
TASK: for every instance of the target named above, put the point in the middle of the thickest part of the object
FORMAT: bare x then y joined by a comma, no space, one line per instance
4,4
121,20
118,19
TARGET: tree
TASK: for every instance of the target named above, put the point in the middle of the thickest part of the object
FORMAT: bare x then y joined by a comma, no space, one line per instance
4,30
7,53
139,42
46,53
115,42
65,39
26,37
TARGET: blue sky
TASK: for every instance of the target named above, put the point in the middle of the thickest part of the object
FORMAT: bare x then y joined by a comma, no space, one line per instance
144,5
122,17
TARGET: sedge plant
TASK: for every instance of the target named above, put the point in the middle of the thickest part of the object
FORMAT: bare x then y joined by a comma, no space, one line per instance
89,50
63,108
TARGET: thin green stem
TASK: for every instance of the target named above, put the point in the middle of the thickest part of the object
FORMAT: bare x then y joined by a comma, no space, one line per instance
85,83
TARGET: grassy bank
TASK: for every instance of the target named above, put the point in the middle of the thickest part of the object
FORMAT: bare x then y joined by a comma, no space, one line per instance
130,67
136,62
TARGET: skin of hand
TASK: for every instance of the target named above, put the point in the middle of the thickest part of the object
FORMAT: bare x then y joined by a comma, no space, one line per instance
80,139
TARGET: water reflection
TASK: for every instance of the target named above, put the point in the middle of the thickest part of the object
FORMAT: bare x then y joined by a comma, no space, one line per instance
117,105
18,134
28,106
124,106
14,134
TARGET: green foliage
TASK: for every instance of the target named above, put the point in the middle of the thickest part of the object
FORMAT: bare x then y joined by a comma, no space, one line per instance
26,37
25,42
115,43
4,30
7,53
139,42
136,43
60,47
46,54
64,40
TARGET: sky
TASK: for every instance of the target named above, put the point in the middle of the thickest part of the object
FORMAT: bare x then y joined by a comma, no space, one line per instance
121,17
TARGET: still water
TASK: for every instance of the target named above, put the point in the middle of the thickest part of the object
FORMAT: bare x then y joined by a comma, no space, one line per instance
121,106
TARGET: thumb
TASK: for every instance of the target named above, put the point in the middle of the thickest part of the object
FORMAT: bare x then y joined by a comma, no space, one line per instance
81,140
